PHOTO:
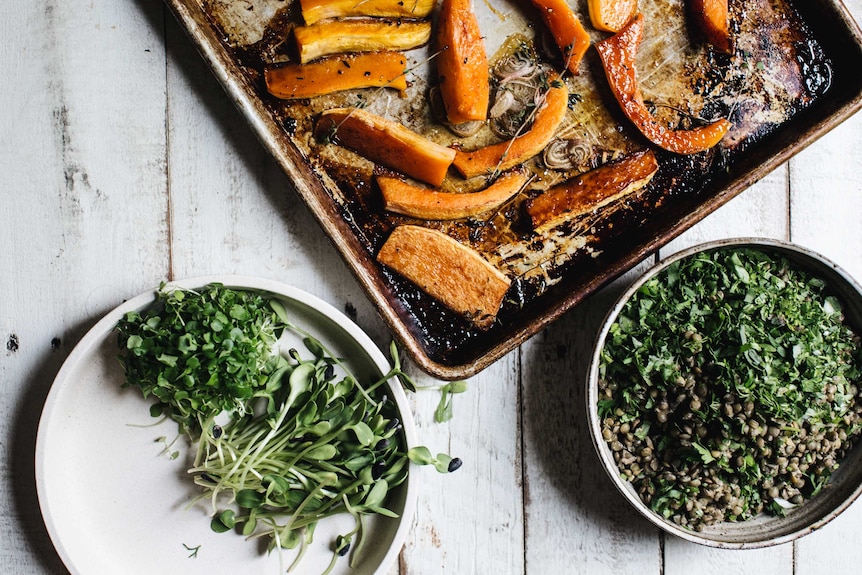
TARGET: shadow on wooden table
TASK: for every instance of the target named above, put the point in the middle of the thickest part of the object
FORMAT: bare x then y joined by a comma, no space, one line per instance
23,455
561,458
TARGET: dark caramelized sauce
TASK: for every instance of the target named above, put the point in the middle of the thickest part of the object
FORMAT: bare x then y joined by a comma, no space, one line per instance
772,41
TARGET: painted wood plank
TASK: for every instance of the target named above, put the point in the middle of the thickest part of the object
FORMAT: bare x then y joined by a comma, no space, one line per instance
575,521
826,195
82,157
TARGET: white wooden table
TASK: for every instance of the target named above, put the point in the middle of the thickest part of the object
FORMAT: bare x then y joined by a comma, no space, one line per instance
123,163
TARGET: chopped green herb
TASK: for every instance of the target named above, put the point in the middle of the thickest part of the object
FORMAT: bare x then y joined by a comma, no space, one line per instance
728,383
303,439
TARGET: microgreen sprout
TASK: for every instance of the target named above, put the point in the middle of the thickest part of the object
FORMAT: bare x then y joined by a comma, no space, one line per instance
299,437
729,385
171,453
444,408
442,462
443,412
193,550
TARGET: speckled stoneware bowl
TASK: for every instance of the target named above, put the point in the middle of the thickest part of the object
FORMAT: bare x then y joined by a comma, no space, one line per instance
762,530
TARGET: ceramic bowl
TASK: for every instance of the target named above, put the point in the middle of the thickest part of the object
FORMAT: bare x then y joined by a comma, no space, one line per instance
114,503
762,529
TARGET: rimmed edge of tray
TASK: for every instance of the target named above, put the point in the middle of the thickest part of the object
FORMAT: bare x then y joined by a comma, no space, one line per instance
842,100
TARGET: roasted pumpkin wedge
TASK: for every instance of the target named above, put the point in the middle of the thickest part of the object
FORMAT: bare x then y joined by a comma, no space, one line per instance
711,18
618,58
611,15
358,35
337,73
451,272
568,32
462,64
504,155
386,142
410,200
591,190
316,10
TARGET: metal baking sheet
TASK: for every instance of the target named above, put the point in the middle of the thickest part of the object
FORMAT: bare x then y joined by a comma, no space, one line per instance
792,77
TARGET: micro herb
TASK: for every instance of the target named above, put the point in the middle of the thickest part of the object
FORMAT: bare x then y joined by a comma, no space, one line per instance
168,449
729,385
193,550
299,436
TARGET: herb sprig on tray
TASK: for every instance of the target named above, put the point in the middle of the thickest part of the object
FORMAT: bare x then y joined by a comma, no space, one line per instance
728,385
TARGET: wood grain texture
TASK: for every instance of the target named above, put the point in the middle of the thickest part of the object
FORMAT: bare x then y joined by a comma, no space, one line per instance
124,163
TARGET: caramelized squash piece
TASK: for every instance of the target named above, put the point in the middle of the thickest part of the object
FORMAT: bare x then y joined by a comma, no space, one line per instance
611,15
386,142
452,273
568,32
404,198
316,10
618,58
592,190
504,155
338,36
462,64
337,73
711,18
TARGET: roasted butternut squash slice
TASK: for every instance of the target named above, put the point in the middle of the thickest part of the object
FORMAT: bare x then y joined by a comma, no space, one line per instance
386,142
611,15
504,155
462,64
337,73
711,18
591,190
454,274
410,200
618,58
358,35
316,10
568,32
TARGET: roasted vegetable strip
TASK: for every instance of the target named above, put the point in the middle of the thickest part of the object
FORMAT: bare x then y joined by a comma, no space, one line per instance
386,142
462,65
618,58
711,18
447,270
591,190
338,36
567,30
405,198
611,15
337,73
504,155
315,10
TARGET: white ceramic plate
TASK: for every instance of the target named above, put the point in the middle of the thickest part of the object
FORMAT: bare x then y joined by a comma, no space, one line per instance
763,530
113,502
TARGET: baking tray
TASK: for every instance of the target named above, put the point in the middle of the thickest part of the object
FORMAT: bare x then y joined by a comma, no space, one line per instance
793,76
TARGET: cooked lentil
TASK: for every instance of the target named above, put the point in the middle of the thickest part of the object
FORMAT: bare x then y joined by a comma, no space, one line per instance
728,386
